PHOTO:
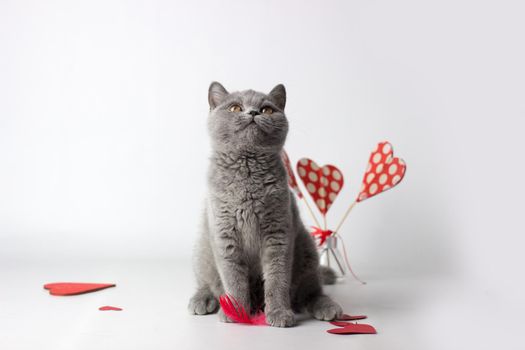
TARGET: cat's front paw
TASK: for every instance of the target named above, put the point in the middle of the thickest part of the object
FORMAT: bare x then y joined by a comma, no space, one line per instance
202,304
325,309
280,318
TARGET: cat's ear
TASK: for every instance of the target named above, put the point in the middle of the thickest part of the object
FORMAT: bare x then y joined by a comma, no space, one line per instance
216,94
278,95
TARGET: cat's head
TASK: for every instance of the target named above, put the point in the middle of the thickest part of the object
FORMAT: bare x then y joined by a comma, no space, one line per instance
247,120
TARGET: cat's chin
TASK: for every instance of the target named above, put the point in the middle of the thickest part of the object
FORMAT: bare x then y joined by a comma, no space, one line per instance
247,126
252,124
252,129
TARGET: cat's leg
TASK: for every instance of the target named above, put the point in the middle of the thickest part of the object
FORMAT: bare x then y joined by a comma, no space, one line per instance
234,276
308,291
277,257
231,263
205,300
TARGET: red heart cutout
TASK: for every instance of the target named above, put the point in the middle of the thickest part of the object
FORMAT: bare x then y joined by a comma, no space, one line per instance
109,308
340,323
70,288
384,171
322,183
346,317
292,182
354,328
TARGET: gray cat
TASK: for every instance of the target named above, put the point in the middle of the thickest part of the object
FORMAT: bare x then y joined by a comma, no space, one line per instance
253,245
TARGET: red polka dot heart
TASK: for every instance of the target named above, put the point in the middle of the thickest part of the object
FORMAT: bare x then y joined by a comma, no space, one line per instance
322,183
384,171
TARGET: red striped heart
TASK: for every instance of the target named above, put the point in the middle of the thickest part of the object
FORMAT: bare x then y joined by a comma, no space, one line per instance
322,183
384,171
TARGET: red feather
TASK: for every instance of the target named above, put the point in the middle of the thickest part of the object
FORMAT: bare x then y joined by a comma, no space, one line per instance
237,313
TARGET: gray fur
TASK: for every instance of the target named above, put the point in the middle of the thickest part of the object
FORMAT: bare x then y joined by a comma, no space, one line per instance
253,244
328,275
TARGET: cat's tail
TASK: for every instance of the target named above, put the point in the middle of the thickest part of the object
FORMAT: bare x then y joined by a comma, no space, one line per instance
328,275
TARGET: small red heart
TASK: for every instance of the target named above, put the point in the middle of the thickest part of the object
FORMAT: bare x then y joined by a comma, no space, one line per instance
109,308
384,171
322,183
354,328
346,317
70,288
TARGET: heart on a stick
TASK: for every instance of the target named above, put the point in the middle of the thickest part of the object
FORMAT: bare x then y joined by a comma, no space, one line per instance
322,183
384,171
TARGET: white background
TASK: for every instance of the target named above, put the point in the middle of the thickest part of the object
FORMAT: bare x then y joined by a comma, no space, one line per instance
103,144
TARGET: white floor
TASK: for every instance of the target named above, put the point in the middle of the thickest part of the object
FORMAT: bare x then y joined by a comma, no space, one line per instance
409,313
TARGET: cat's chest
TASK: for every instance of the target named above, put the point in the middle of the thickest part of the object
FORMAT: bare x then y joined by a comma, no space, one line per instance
249,195
247,184
248,189
248,200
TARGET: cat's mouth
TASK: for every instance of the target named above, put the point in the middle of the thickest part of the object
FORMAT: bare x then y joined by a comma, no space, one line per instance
253,126
251,123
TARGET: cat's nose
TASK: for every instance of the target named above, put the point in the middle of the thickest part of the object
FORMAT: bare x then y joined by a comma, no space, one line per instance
253,113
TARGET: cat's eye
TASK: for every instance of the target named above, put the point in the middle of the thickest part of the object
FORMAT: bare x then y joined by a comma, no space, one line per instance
235,108
267,110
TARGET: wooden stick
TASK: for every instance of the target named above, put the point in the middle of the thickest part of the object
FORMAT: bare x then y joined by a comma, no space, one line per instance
311,212
345,216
